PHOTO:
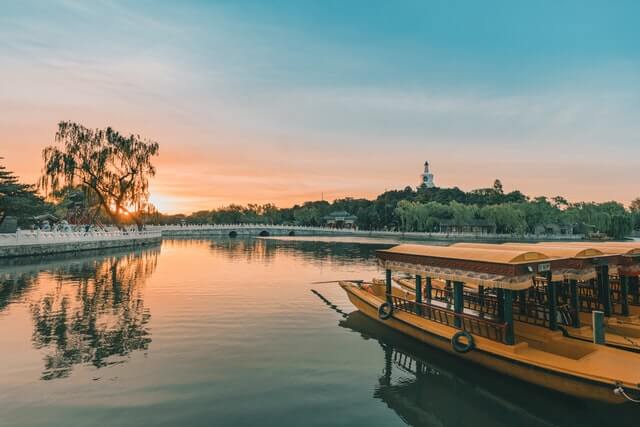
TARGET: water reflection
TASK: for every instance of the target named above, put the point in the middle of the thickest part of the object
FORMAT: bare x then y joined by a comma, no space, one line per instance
427,387
85,311
318,252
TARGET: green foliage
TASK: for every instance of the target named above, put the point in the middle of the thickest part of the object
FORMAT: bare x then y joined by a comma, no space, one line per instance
112,167
18,199
423,210
621,226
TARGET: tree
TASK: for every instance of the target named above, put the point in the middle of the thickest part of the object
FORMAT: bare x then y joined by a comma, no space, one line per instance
620,227
635,205
308,215
497,186
17,199
113,167
560,202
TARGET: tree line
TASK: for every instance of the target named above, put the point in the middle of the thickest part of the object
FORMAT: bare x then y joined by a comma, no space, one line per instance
102,176
422,209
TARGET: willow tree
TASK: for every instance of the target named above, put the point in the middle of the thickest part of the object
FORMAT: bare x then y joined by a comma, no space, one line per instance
112,167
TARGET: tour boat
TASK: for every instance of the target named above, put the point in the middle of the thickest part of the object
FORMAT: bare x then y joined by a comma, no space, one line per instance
590,282
494,340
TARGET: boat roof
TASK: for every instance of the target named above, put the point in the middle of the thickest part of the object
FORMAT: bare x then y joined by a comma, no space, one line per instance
608,248
507,269
504,256
550,251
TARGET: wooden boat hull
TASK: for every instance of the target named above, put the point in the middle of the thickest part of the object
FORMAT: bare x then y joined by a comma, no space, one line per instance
555,380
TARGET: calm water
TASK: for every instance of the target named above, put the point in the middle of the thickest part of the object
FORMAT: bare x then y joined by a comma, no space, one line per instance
229,332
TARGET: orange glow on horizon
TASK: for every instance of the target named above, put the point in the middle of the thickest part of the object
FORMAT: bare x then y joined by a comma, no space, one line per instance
245,169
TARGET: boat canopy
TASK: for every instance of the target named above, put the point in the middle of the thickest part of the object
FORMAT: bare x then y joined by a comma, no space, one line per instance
568,263
555,251
506,269
609,248
625,256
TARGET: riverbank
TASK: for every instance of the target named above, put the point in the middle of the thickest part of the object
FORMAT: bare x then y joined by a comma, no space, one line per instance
28,243
34,243
267,230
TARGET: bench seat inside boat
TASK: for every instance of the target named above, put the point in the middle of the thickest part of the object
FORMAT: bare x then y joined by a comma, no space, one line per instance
551,342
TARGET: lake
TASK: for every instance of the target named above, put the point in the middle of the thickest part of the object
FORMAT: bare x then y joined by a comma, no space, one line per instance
217,332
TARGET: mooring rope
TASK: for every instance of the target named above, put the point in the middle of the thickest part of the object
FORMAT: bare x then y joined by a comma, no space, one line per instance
619,391
330,304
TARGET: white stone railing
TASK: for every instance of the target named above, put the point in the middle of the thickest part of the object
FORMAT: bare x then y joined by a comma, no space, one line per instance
27,237
346,231
243,226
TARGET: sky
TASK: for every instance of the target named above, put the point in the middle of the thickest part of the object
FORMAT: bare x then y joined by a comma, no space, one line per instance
286,101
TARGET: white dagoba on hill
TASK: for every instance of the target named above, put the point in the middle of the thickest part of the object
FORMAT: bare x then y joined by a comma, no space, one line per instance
427,177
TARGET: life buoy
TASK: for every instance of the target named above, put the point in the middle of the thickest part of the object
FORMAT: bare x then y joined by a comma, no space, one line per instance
460,346
385,311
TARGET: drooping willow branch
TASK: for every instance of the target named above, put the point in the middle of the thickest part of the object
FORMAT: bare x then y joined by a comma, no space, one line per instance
114,167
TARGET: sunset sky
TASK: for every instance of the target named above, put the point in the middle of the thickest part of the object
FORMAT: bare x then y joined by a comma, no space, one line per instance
283,101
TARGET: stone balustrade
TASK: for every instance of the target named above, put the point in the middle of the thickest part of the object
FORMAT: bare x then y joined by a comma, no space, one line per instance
39,242
29,243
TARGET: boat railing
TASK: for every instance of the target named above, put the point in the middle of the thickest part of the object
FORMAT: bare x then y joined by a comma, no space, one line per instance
492,330
532,310
483,304
532,313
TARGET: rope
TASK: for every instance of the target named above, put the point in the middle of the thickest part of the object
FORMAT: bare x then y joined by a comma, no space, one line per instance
330,304
619,391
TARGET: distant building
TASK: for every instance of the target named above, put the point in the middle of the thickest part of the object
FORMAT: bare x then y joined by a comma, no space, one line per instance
477,226
427,177
554,229
340,219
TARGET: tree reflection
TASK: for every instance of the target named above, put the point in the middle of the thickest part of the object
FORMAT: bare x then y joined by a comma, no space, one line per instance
14,286
93,313
265,251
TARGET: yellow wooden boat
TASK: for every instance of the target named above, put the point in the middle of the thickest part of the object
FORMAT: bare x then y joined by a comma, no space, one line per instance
536,355
579,276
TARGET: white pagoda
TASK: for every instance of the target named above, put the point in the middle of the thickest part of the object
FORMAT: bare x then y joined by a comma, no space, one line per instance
427,177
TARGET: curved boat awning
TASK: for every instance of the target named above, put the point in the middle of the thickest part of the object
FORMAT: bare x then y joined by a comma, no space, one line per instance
570,263
507,269
624,256
547,249
609,248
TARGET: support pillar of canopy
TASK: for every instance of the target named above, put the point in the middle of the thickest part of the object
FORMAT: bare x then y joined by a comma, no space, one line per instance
552,303
624,294
508,316
575,303
418,294
604,288
388,285
449,290
428,289
598,327
458,303
634,289
522,301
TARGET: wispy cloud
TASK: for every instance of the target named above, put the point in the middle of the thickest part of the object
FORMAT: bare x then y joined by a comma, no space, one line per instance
278,104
